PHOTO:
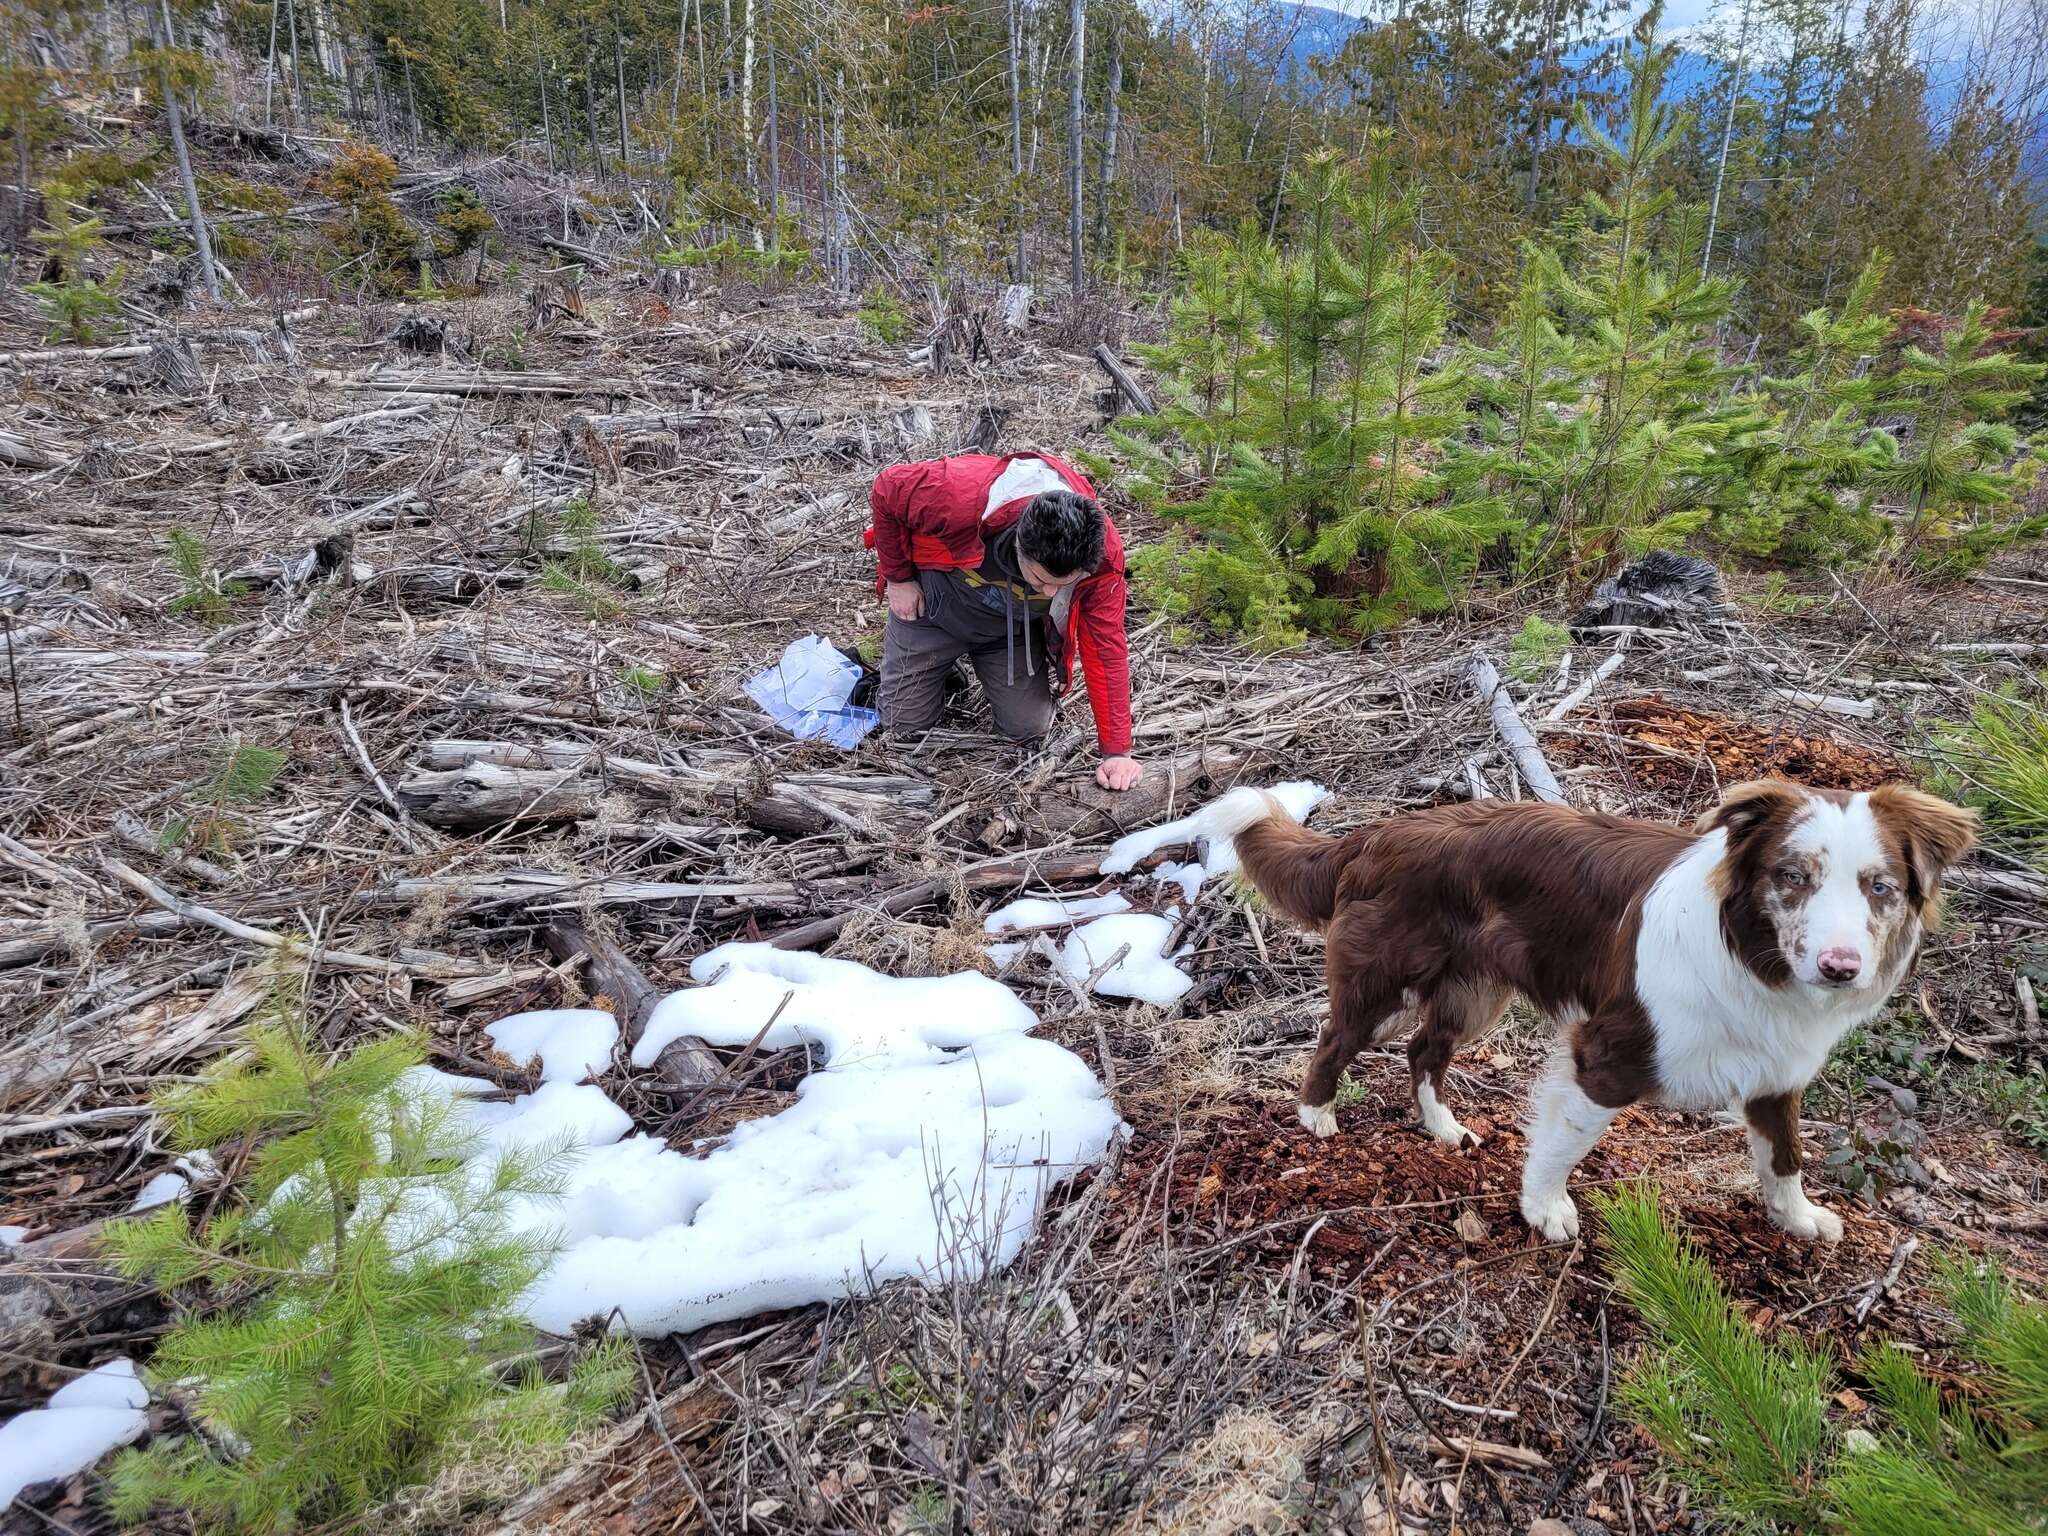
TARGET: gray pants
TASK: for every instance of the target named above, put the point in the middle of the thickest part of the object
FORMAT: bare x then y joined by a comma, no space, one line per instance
918,655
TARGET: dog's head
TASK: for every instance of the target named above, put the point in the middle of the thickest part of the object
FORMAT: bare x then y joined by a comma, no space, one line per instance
1831,890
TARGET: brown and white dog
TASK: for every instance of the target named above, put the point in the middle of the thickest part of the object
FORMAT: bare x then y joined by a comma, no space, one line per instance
1699,969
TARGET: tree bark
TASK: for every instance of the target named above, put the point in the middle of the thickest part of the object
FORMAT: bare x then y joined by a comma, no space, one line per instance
747,99
547,127
774,130
162,20
619,74
842,222
1077,60
270,66
590,101
1016,20
1727,134
1109,132
291,19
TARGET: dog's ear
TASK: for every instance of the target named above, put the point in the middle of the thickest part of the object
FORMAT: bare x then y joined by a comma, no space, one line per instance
1749,806
1934,834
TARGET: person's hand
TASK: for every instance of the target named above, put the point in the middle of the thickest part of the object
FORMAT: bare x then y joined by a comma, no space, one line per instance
906,600
1118,773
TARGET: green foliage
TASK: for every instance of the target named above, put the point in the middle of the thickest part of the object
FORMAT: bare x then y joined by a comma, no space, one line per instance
241,774
1310,435
1740,1419
1951,477
372,234
882,316
463,223
1744,1419
353,1311
72,300
201,591
1997,760
1536,649
426,291
644,680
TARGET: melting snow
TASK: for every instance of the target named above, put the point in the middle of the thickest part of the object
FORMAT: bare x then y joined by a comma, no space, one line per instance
1049,912
571,1043
82,1422
1144,973
10,1237
1211,827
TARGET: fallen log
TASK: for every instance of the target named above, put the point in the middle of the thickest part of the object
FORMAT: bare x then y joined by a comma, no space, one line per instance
485,795
22,451
625,423
1508,722
1090,810
1132,392
450,381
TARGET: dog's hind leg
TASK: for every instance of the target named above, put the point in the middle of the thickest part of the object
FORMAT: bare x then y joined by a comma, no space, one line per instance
1366,1004
1456,1012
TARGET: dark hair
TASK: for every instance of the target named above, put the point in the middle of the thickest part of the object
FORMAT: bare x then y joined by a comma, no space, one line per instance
1062,532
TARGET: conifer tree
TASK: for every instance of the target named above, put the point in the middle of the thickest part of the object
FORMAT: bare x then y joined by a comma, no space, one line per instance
356,1305
1800,485
1951,481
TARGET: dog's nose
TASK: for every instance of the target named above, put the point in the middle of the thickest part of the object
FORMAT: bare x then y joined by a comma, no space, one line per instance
1838,964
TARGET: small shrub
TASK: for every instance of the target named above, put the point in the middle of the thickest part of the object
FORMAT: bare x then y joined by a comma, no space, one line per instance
240,775
1536,649
1997,760
362,1297
463,223
201,592
372,231
72,300
1744,1419
427,291
644,680
883,317
560,579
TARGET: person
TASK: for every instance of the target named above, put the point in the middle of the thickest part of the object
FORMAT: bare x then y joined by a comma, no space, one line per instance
1010,562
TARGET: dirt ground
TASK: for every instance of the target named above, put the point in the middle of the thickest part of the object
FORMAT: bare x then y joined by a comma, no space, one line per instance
1250,1329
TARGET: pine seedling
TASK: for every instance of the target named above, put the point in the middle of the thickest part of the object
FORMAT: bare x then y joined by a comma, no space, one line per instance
1741,1420
1951,480
356,1306
1998,760
1536,648
201,591
72,300
644,680
241,774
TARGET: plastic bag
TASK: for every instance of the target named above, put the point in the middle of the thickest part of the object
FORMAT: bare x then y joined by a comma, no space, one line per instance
806,694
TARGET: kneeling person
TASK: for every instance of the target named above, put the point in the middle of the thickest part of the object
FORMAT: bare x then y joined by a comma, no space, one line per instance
1010,562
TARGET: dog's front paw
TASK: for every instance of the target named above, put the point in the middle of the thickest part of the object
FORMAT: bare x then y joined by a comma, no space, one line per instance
1553,1215
1321,1119
1446,1127
1809,1221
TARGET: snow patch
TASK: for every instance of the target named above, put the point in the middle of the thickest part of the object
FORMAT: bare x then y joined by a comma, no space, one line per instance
1188,877
1048,912
83,1421
1143,973
571,1043
177,1182
10,1237
1213,826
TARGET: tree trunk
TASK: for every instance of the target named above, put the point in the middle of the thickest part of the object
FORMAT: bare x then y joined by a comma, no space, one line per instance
1077,60
412,101
1021,269
774,130
590,101
162,22
291,19
1109,132
826,236
747,98
1539,125
547,127
619,75
270,66
842,221
1727,133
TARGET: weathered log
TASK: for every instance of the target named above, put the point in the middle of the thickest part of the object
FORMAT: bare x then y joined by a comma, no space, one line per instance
23,451
1090,810
453,381
485,795
1508,722
1130,389
628,423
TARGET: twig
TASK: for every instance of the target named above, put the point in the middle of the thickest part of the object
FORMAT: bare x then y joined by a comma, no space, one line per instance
1584,691
1578,1457
1876,1293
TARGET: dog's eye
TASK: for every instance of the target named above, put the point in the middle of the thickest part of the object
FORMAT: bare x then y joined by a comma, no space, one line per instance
1793,877
1882,887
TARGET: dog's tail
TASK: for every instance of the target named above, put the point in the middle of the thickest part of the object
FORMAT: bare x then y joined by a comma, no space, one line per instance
1294,868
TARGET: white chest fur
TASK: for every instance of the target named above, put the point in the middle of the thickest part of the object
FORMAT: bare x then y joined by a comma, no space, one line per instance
1723,1036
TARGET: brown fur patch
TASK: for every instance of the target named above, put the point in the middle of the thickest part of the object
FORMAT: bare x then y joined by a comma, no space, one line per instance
1776,1119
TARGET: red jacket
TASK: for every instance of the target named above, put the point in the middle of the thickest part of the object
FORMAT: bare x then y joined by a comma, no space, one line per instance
930,516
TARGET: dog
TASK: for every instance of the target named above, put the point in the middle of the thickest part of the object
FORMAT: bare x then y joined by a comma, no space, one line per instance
1696,968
